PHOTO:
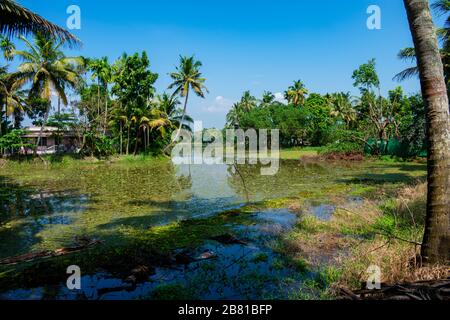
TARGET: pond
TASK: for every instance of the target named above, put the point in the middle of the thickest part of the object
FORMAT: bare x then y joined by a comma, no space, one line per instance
46,209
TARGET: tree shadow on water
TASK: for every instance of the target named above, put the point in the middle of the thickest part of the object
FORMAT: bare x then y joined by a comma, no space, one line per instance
25,211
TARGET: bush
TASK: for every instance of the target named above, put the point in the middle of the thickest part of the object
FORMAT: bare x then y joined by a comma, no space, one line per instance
13,141
98,146
345,142
345,147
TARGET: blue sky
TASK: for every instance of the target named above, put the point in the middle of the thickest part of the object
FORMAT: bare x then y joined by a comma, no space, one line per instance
244,45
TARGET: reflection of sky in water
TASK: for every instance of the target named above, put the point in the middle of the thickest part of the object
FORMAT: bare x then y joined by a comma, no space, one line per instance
208,181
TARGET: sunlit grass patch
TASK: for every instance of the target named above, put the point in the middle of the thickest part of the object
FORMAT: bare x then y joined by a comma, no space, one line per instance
296,153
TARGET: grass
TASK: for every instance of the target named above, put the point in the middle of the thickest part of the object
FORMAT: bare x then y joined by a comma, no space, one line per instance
369,235
296,153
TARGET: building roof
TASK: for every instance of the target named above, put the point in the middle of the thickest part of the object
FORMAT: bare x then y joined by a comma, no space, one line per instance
34,131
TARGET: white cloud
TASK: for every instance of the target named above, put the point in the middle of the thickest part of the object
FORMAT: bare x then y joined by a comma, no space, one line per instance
280,97
219,105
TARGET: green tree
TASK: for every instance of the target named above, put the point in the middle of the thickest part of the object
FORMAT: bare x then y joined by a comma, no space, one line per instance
268,98
169,105
296,94
133,87
366,77
102,71
186,77
248,102
48,70
319,123
342,108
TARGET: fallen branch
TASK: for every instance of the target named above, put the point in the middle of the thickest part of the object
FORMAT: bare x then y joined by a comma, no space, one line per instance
28,257
421,290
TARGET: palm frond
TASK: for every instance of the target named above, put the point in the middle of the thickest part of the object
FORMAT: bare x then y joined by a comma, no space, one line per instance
16,20
407,54
407,74
441,7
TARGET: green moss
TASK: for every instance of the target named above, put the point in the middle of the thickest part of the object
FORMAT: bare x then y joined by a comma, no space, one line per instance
260,257
138,246
171,292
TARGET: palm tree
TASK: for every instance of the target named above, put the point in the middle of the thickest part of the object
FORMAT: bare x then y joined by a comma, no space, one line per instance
16,20
436,242
248,102
186,77
441,7
268,98
146,120
7,47
102,71
3,93
296,93
233,116
169,105
119,118
342,108
408,55
48,70
14,99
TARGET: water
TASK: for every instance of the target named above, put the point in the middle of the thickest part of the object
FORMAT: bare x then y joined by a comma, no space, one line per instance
45,209
247,270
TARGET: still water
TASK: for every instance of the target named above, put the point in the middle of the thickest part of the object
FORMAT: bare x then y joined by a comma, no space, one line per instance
44,209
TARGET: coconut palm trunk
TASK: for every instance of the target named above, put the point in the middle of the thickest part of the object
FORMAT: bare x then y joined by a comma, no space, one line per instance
41,131
181,122
128,140
98,98
183,116
436,242
121,138
106,114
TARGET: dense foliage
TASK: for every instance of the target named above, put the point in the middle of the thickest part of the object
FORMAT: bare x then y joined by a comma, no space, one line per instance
116,108
338,121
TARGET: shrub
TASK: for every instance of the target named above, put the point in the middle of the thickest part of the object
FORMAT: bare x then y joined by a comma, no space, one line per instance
13,141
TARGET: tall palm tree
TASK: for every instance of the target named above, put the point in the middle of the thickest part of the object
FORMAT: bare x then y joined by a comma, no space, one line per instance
187,77
436,242
119,118
102,71
48,70
296,94
17,20
3,93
